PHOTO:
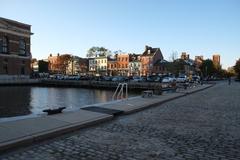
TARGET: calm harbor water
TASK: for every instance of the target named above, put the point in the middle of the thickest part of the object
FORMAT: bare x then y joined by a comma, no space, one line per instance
21,101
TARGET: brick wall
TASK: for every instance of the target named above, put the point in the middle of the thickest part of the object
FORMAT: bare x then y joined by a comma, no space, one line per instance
12,62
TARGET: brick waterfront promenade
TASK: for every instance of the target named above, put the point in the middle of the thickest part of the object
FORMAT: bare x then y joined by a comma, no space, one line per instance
202,125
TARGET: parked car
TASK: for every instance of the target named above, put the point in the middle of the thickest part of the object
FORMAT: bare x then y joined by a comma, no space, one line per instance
167,80
137,79
107,78
118,79
182,79
196,79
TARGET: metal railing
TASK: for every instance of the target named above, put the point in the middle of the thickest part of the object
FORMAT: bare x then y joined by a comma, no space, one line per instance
119,92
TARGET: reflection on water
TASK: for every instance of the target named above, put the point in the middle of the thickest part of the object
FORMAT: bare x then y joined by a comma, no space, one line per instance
19,101
15,101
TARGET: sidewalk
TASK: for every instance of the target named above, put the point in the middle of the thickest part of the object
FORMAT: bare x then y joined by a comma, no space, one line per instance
23,132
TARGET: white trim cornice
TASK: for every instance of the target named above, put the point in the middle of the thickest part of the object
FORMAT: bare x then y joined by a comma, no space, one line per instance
27,35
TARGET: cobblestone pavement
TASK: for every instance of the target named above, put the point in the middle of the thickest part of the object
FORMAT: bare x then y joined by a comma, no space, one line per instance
204,125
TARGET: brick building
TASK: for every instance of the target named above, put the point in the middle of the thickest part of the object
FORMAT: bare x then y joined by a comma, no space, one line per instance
58,64
198,62
122,64
112,67
54,63
216,60
160,67
15,46
149,57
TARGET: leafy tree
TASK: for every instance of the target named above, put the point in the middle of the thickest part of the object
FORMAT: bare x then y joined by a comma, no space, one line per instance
207,68
62,63
176,66
42,66
98,51
237,68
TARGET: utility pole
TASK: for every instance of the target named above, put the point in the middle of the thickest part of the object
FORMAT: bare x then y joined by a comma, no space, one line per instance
72,64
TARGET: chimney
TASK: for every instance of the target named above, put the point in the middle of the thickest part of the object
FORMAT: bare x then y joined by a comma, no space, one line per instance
146,47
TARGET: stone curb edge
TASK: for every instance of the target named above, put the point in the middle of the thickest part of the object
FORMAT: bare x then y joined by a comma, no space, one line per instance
166,100
38,137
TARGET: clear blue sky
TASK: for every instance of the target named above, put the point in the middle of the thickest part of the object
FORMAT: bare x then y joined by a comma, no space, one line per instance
200,27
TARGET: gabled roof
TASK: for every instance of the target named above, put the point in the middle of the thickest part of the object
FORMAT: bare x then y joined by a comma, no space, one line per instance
111,59
133,57
149,51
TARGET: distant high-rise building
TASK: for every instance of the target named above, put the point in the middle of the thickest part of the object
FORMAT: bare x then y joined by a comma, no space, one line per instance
216,59
184,56
198,62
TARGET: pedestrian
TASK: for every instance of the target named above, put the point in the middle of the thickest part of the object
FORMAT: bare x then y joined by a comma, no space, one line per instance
229,81
201,80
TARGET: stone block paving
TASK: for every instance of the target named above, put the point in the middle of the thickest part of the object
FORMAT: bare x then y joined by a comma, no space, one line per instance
203,125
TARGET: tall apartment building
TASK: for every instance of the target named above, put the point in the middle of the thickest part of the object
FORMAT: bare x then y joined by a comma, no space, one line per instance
15,49
216,60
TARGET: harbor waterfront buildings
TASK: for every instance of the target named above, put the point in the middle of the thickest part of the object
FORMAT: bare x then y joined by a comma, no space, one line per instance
16,58
150,62
15,49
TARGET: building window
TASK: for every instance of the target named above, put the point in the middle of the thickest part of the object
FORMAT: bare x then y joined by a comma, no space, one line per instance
4,45
22,47
5,68
22,70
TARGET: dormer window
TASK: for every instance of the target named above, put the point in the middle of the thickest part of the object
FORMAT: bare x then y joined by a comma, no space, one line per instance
149,51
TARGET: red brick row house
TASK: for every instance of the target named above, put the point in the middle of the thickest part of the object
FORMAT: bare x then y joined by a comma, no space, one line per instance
149,57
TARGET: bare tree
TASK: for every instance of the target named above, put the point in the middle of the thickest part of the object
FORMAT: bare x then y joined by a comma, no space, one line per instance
173,56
